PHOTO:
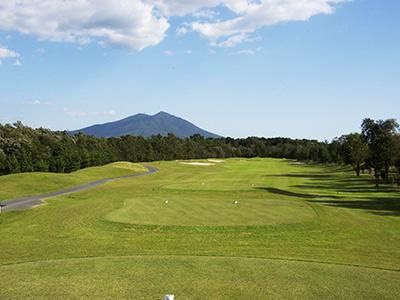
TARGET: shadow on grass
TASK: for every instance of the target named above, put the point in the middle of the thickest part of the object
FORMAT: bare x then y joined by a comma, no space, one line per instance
375,202
303,175
295,194
346,183
349,189
377,206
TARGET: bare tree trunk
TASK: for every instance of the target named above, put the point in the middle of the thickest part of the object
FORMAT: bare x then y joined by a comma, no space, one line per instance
398,177
357,169
387,174
376,177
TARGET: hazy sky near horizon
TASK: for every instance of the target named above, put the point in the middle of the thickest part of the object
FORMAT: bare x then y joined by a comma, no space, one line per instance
301,69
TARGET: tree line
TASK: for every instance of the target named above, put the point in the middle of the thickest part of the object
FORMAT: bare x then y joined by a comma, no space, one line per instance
24,149
376,148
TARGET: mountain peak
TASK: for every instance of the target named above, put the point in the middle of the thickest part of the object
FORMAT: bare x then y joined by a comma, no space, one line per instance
163,113
146,125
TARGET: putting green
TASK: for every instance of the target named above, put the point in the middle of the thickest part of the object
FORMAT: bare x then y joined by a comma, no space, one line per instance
222,211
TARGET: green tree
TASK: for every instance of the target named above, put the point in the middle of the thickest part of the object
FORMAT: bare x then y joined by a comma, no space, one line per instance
355,150
397,157
380,138
2,162
12,164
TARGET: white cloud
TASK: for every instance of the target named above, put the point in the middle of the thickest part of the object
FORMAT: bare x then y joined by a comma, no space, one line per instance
84,114
37,103
169,52
234,40
252,16
7,53
131,23
206,14
183,29
138,24
40,50
34,102
110,113
248,51
183,7
189,7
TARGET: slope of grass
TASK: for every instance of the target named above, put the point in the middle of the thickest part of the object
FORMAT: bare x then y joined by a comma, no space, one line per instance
28,184
194,278
298,231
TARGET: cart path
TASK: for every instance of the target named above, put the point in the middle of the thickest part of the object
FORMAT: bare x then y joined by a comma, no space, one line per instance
32,201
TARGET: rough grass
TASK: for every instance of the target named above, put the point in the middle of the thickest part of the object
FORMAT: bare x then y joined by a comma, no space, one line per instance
298,231
29,184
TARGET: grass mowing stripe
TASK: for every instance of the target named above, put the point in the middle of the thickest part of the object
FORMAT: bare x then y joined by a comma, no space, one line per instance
205,256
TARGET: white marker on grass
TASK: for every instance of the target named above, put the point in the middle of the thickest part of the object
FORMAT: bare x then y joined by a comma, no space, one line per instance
169,297
166,201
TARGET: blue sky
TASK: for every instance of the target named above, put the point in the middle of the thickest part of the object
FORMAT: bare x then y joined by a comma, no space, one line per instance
238,68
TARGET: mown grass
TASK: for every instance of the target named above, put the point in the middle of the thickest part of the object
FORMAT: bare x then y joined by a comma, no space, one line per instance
298,231
150,277
28,184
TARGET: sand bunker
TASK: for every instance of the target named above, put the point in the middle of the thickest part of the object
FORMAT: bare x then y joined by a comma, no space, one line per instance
197,163
216,161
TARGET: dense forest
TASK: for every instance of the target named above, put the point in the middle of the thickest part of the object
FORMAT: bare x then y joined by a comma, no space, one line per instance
23,149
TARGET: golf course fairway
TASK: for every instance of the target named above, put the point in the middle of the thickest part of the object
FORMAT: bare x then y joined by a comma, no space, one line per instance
231,229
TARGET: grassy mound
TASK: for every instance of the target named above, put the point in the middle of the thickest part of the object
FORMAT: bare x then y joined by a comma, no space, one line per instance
29,184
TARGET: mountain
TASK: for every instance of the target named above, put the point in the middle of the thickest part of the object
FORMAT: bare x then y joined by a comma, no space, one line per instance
146,125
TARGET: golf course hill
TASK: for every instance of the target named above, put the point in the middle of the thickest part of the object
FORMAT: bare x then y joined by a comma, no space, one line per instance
146,125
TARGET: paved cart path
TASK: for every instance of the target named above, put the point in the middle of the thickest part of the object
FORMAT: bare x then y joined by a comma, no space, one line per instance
32,201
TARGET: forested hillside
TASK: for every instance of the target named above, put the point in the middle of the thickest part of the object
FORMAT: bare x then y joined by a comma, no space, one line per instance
23,149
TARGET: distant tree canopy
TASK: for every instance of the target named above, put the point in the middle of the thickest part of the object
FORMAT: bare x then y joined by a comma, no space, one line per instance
23,149
354,151
380,136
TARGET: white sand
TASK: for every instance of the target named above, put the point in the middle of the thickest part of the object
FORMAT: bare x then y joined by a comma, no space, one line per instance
197,163
216,161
